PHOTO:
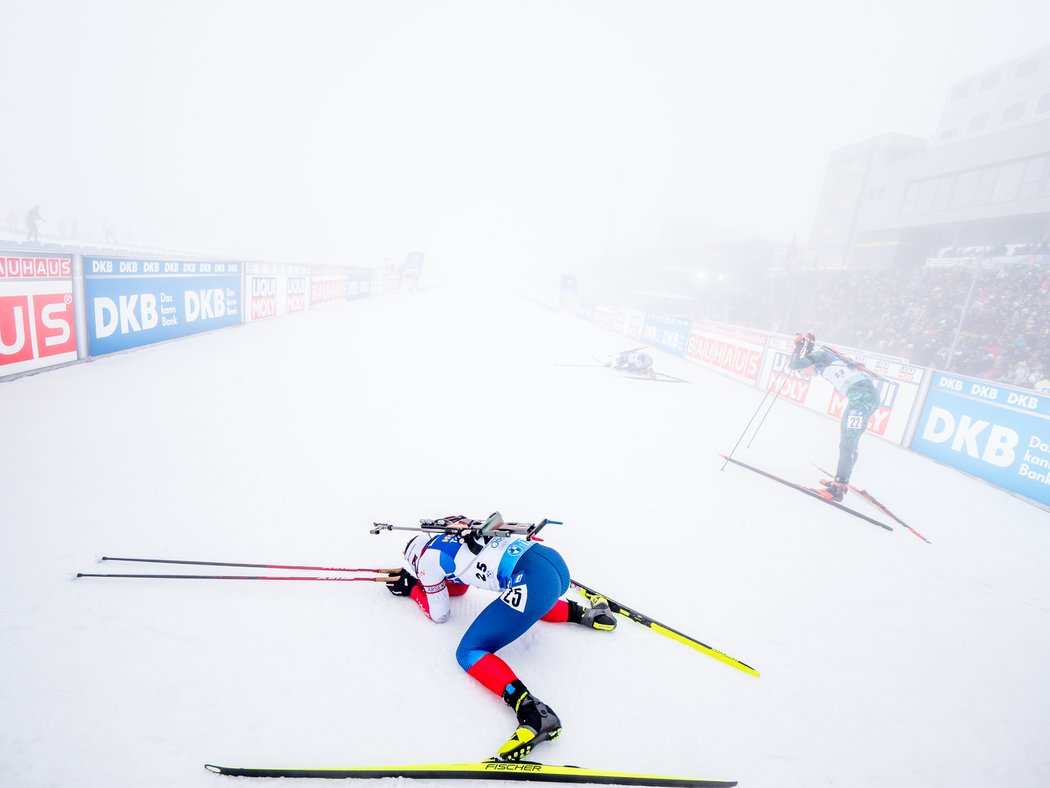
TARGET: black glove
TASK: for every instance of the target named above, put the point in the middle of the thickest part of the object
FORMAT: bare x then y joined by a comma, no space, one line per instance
403,585
804,345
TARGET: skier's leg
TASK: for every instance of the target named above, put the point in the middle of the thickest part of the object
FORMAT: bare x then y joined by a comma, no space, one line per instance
544,578
855,417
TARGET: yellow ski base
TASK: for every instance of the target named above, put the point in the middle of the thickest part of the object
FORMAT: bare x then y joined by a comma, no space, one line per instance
487,770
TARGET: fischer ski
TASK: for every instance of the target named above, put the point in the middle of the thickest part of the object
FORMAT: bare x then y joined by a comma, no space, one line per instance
868,497
663,629
809,491
486,770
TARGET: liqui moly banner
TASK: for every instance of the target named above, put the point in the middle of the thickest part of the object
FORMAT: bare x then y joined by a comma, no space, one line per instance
736,352
274,289
131,303
328,285
37,321
898,387
995,432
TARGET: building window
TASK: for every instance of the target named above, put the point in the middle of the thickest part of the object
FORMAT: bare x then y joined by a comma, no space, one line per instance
959,93
1034,171
1009,179
989,81
986,179
1014,112
947,134
977,123
1027,67
942,197
965,189
910,195
1043,105
927,189
875,194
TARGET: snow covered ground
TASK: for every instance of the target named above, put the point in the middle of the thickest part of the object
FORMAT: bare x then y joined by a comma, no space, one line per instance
885,661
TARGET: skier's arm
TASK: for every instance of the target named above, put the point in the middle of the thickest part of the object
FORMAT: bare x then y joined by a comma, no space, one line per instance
801,356
432,592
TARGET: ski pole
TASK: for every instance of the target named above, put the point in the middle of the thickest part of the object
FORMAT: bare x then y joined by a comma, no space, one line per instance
763,419
251,566
663,629
383,579
742,434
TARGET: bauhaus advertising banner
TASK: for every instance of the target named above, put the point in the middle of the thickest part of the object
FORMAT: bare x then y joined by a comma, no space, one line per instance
37,321
995,432
131,303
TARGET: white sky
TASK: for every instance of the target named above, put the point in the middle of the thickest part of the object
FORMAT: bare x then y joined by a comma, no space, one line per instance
486,132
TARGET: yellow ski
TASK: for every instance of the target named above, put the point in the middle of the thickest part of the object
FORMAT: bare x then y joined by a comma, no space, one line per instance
487,770
663,629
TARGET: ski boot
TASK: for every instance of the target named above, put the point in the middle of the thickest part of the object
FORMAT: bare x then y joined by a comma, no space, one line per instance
537,723
833,490
598,616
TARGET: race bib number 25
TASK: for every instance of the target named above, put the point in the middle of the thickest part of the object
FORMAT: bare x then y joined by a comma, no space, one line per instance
515,598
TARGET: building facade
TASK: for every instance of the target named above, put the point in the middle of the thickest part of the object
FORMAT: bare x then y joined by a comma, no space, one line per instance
980,187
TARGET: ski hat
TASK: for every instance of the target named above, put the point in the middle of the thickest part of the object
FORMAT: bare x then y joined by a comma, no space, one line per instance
415,547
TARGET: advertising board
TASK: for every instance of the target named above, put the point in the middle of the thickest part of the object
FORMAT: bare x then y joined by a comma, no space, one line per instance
136,302
667,332
37,320
735,352
273,290
995,432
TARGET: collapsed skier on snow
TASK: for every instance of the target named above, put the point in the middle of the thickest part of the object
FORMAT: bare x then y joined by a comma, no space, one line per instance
530,578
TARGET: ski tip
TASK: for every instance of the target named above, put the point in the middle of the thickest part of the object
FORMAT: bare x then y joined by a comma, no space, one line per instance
213,768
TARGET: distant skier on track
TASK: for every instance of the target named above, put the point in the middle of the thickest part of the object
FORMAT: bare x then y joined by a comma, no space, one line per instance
635,362
530,578
862,397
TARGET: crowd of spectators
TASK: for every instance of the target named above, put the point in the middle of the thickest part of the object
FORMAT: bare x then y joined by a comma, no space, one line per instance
915,314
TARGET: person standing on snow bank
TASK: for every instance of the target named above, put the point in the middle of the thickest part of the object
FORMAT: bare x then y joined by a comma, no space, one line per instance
32,217
530,578
862,399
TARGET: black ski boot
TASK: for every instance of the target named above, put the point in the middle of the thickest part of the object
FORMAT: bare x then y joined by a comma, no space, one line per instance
598,616
537,723
833,490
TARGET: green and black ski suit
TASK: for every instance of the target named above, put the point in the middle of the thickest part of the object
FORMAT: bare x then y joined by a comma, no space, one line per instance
862,400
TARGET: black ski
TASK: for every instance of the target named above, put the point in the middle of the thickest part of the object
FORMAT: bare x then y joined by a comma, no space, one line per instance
867,496
810,492
486,770
659,377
